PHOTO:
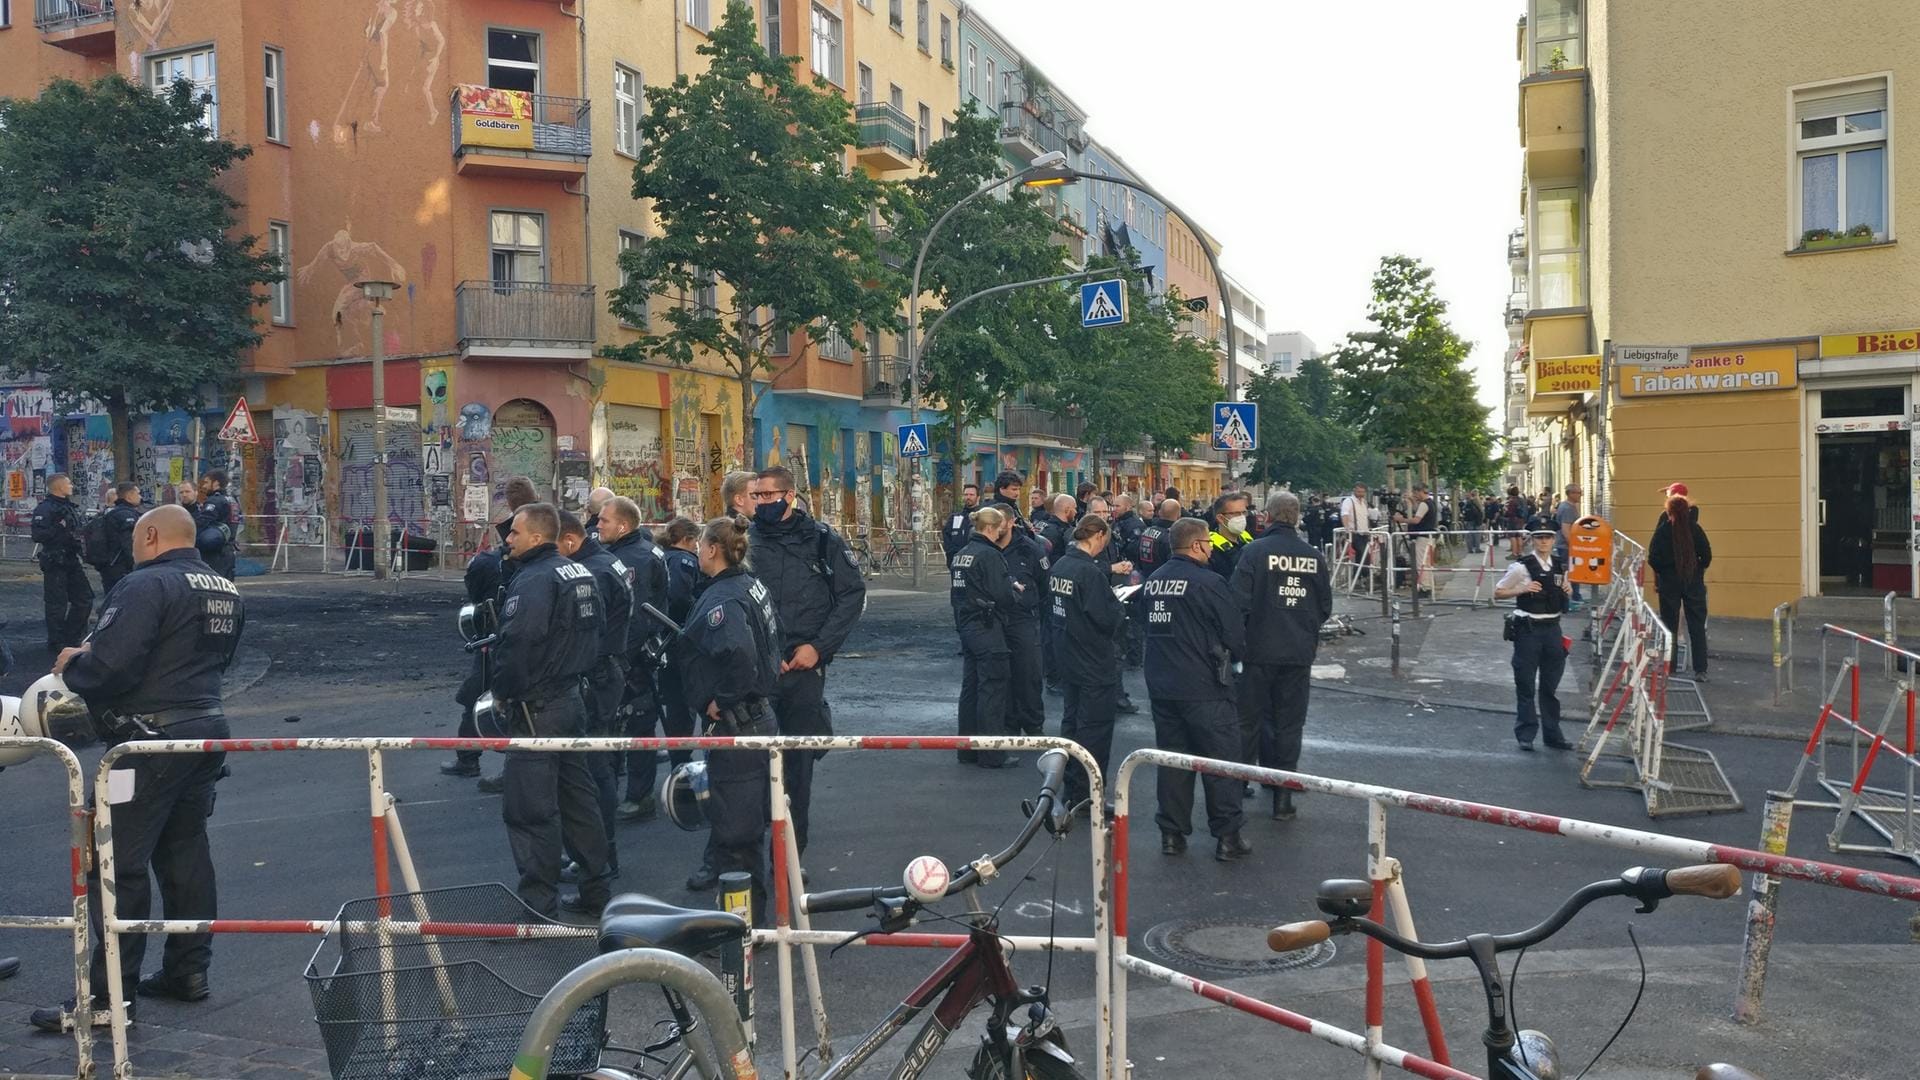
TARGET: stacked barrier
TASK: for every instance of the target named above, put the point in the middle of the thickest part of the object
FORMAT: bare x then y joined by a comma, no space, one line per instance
1356,560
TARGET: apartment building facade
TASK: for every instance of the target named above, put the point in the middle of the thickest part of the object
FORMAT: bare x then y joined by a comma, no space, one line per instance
1736,316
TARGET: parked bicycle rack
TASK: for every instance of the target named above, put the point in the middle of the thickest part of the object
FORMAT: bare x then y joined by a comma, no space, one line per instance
1386,873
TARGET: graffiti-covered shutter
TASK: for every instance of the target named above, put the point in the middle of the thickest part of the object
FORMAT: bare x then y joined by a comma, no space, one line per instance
523,444
636,460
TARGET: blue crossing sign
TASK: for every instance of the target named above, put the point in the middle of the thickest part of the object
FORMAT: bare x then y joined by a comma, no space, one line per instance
1236,425
913,440
1103,303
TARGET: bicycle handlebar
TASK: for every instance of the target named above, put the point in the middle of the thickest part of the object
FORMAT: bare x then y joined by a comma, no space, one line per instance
1298,935
1053,771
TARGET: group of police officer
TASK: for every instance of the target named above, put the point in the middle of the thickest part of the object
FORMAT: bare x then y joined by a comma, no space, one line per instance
1226,626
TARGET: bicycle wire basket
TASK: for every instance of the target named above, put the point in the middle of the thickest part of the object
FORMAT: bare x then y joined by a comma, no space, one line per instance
450,1005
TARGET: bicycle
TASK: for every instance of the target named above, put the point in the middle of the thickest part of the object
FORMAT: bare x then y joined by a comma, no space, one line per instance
1524,1055
643,940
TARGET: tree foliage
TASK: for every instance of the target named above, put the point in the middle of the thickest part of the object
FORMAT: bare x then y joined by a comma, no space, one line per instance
1302,443
746,169
1145,378
121,277
1404,384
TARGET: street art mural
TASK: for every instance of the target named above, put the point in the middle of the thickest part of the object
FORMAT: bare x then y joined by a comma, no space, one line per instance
523,445
863,481
437,456
405,485
696,485
637,460
352,262
366,97
298,489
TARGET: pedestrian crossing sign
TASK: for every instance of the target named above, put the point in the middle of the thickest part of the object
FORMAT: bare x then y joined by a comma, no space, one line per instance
1235,424
1103,303
913,440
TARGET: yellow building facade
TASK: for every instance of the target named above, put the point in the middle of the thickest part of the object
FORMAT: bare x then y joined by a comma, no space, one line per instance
1723,239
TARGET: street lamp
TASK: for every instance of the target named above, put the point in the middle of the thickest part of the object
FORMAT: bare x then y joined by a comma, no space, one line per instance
377,294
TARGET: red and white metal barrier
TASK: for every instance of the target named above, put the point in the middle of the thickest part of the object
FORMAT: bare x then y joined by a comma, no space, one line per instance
1384,871
75,921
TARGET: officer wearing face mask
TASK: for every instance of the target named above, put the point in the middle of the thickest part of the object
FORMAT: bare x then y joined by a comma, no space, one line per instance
1230,532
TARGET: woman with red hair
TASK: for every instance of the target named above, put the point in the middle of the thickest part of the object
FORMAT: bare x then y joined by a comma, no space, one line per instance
1680,554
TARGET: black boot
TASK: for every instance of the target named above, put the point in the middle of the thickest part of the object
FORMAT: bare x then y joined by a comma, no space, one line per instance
1282,804
1231,847
1172,843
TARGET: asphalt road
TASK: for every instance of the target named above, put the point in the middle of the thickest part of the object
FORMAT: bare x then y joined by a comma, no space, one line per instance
350,658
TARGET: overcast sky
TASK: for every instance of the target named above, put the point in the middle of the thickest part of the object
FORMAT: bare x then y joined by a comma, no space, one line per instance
1310,139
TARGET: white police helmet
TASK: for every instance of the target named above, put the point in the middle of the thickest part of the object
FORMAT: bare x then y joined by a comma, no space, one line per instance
10,727
684,796
490,718
48,710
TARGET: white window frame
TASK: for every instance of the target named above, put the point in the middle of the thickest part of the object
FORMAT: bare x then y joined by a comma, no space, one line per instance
923,26
828,36
535,65
280,245
1576,57
1841,144
993,77
924,129
897,98
6,13
273,78
518,245
832,346
897,16
159,77
770,27
628,240
779,342
1537,248
626,109
946,41
706,291
863,86
973,70
699,15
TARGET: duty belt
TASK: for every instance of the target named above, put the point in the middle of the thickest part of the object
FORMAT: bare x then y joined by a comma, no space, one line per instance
151,724
753,716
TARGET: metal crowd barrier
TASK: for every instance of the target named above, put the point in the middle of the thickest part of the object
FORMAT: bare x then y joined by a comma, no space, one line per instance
1386,873
792,928
1416,559
75,921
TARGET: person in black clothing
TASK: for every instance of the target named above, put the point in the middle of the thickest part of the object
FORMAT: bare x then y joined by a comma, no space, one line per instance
218,517
1537,584
606,681
116,536
549,638
729,663
1006,496
983,597
639,707
959,527
820,594
1127,526
1679,555
64,587
1086,617
1230,533
1195,633
597,501
152,669
482,581
1056,535
1419,519
680,563
1472,517
1285,593
1027,564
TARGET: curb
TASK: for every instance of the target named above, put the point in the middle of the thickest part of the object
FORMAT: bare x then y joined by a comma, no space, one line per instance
1747,731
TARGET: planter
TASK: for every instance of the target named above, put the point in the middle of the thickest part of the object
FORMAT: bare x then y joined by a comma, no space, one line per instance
1832,242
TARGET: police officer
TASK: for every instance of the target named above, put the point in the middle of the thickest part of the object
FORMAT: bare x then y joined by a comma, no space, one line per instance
959,527
729,663
983,598
1285,592
1230,533
117,532
218,517
820,594
597,501
549,639
1149,554
1086,617
1027,565
1056,535
606,681
1127,527
639,706
1537,585
68,596
1006,496
483,583
1195,633
151,669
682,560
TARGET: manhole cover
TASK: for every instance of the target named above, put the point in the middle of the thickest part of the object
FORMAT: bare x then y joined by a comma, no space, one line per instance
1228,946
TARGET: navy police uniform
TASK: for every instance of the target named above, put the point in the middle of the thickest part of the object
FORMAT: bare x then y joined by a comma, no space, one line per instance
1027,566
1539,651
982,595
1085,616
639,706
217,518
955,533
820,595
117,561
152,669
677,716
730,657
482,581
550,629
1194,633
606,683
1285,593
68,597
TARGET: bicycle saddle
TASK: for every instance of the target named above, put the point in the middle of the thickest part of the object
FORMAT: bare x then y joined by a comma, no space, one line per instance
635,921
1723,1072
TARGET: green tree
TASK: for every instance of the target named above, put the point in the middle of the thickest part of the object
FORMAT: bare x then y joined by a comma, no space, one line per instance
1145,378
992,348
1405,385
1301,446
122,280
763,228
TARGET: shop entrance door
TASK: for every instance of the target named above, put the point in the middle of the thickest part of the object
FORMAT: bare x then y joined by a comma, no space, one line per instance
1864,510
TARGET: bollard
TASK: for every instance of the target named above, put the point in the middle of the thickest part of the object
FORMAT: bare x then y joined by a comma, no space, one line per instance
1413,556
736,958
1394,614
1779,658
1775,818
1889,629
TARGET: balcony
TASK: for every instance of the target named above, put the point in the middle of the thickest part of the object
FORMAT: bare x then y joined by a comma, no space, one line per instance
885,381
886,141
890,256
80,26
1553,124
1033,422
517,320
514,133
1025,135
1517,249
1516,308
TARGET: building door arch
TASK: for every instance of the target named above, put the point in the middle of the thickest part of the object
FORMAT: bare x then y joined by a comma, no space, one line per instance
523,445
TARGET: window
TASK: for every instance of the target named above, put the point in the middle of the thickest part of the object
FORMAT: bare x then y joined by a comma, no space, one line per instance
195,67
1559,232
626,110
779,341
519,247
513,61
1840,139
973,70
833,346
925,133
946,41
6,13
991,78
922,17
770,24
866,85
897,98
946,128
700,14
273,73
1555,27
826,46
280,246
706,292
897,14
631,241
